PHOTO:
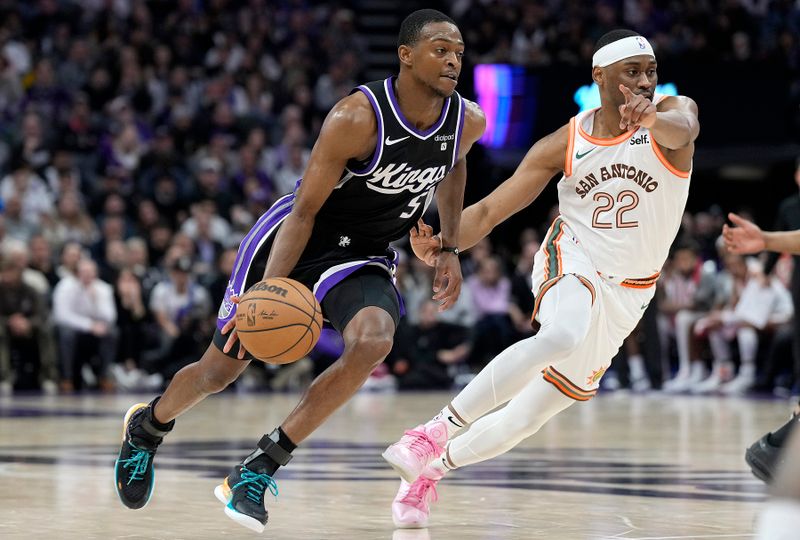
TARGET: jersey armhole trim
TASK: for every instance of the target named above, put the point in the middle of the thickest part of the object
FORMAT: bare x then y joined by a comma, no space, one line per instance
459,128
378,152
570,146
670,167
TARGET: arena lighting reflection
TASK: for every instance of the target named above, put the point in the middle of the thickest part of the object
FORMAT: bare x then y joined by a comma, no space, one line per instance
507,95
588,96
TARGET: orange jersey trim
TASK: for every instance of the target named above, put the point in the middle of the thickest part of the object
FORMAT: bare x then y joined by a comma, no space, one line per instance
641,283
549,283
570,147
565,386
670,167
604,142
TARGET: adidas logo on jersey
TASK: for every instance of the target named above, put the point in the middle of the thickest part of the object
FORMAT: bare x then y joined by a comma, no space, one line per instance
641,139
398,178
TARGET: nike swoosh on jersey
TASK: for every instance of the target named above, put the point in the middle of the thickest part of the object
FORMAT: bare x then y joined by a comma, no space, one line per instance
578,155
390,142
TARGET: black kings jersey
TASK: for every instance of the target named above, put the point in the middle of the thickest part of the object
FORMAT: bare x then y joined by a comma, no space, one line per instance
381,198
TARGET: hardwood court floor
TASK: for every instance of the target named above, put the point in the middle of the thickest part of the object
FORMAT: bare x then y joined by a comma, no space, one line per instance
621,466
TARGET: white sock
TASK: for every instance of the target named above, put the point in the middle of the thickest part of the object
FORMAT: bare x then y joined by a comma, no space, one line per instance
748,347
441,465
451,421
636,366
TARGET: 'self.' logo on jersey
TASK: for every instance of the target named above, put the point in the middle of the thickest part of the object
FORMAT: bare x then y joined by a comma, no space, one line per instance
641,139
398,178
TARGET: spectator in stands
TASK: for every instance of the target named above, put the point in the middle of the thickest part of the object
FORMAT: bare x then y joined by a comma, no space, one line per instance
179,306
761,303
42,260
26,353
491,294
28,188
689,292
425,353
85,315
72,223
132,320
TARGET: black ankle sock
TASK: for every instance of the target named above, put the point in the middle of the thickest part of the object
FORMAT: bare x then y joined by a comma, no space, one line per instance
265,464
158,425
778,437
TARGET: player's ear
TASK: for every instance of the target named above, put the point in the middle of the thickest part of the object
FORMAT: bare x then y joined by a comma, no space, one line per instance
598,75
404,52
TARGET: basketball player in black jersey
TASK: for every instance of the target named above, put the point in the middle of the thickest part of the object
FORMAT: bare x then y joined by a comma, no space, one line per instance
381,155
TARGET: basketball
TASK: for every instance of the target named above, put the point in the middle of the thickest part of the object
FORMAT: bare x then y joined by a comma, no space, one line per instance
278,320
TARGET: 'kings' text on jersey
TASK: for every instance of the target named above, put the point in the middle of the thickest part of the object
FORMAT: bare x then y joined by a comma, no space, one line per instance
381,198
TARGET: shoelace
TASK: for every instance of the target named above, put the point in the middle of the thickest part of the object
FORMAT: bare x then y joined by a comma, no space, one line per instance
417,492
422,444
137,464
257,485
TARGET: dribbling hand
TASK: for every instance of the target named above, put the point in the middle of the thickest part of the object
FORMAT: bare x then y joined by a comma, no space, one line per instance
424,243
230,326
447,280
636,111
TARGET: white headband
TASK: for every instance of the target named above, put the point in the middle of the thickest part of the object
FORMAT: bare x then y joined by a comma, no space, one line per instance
622,49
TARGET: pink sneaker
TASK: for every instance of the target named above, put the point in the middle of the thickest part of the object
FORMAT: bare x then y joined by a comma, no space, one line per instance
413,452
411,506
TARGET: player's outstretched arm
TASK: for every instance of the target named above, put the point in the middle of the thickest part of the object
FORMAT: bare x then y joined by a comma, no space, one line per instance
450,200
673,123
349,131
746,237
542,162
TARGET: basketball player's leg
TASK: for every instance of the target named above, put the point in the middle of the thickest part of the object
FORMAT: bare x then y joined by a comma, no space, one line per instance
365,309
565,315
780,518
143,429
765,455
214,372
491,435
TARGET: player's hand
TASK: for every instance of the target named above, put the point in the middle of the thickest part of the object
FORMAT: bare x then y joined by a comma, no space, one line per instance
637,110
424,243
230,326
447,280
744,237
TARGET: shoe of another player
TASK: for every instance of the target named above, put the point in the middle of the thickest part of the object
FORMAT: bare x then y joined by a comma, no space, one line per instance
133,471
763,458
413,452
242,493
411,507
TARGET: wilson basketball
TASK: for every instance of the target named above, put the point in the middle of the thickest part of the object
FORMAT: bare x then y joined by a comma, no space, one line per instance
278,320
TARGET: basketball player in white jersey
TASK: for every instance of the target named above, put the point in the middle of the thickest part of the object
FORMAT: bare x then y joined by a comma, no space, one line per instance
626,169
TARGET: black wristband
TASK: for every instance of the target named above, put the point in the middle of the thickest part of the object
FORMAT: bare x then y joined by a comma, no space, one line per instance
453,250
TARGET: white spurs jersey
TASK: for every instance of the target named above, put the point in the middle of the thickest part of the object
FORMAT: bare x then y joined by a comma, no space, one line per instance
622,198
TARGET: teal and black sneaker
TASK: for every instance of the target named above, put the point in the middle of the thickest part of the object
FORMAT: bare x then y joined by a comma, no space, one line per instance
133,470
242,493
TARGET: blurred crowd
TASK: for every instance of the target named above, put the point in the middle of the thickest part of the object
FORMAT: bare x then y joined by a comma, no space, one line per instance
564,32
140,140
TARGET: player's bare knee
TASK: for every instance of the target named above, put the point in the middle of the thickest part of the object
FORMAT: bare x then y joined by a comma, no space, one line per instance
218,371
370,348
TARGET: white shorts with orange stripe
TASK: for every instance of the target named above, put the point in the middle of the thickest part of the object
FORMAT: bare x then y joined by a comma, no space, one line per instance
617,307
